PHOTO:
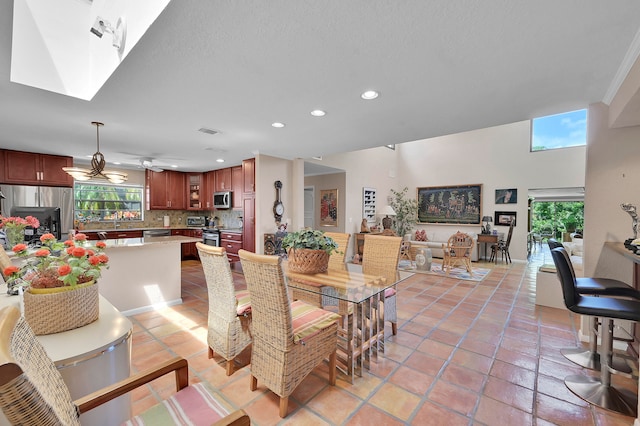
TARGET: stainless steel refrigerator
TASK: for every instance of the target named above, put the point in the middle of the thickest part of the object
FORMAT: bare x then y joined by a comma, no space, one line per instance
40,196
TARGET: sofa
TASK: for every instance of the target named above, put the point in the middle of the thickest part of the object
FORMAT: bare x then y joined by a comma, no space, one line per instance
575,250
435,240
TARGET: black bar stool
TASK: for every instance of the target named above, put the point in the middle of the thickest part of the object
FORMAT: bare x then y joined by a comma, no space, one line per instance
590,358
597,391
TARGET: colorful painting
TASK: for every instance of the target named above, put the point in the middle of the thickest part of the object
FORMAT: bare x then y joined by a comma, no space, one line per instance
329,207
450,205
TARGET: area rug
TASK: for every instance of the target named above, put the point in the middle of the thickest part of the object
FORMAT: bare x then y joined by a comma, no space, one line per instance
478,274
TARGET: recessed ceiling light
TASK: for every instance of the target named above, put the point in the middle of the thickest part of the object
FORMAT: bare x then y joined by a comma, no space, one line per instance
175,166
219,160
318,113
117,162
277,125
369,94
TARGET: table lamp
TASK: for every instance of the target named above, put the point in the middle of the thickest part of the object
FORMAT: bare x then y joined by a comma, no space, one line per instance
386,221
486,229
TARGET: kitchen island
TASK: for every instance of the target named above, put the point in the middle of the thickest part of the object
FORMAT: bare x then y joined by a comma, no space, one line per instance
144,273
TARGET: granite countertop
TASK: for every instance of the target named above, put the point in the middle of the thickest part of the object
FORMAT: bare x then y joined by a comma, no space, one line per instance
134,242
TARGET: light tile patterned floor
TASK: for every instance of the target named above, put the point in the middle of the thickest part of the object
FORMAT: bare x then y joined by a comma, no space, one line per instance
466,353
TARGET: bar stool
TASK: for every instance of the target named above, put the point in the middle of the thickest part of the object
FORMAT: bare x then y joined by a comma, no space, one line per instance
597,391
590,358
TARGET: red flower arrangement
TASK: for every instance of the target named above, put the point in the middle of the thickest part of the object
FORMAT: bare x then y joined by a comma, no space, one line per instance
57,264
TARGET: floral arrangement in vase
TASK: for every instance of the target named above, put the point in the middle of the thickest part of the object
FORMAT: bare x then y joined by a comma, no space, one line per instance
14,227
57,264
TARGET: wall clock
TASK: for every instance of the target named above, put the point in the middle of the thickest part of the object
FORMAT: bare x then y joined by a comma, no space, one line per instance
278,207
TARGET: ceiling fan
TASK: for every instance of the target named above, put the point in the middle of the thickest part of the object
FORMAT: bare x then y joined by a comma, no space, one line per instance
147,163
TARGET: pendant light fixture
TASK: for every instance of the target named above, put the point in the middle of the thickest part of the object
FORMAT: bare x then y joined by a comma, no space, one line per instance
97,165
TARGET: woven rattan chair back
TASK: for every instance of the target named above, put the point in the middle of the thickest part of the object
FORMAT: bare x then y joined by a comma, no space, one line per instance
270,303
227,333
457,251
336,260
380,256
31,388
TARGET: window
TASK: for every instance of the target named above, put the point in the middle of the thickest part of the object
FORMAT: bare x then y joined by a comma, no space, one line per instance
98,202
559,131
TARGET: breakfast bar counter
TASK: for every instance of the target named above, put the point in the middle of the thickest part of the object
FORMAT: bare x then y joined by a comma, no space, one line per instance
144,273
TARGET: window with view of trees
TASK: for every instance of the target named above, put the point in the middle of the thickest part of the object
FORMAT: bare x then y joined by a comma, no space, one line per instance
559,131
99,202
555,217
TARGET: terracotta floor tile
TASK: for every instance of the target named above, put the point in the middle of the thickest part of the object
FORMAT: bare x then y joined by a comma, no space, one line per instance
472,361
560,412
492,412
431,414
464,377
510,394
514,374
334,404
454,397
394,400
369,415
412,380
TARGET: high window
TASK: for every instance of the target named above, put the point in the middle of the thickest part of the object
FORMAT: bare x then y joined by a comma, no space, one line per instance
107,202
559,131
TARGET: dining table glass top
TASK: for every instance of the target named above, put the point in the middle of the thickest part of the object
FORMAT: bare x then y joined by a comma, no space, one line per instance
349,283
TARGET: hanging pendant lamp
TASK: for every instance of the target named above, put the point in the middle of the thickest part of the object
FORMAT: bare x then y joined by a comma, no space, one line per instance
97,165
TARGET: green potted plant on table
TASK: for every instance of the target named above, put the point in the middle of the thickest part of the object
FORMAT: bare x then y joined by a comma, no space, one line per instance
308,250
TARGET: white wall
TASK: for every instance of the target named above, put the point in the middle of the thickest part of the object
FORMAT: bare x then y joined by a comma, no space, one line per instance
496,157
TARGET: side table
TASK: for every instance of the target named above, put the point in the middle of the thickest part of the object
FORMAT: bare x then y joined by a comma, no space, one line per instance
485,239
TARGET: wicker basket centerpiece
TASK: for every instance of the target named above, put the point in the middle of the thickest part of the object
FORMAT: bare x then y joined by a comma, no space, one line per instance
60,285
308,251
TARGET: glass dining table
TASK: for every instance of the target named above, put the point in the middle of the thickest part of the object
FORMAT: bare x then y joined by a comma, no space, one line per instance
359,299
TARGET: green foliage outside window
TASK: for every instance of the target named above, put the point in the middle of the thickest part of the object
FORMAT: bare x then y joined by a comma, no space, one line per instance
557,217
107,202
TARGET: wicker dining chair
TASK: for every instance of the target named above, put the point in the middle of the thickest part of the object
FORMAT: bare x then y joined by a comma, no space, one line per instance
457,251
289,339
32,391
380,257
337,258
229,310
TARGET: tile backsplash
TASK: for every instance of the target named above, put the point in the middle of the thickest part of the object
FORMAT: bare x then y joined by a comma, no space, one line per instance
177,218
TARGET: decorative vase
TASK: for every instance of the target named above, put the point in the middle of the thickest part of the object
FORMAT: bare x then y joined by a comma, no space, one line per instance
15,235
58,309
307,261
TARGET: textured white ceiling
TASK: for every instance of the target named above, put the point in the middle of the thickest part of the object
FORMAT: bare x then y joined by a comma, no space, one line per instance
442,67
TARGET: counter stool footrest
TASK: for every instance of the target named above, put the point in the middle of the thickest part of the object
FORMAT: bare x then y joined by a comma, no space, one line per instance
591,360
594,392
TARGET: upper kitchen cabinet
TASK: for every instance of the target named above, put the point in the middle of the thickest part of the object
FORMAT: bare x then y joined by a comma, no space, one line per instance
223,180
167,190
195,192
236,186
28,168
248,175
209,186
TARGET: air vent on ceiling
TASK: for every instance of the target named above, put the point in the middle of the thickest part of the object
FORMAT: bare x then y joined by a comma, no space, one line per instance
207,131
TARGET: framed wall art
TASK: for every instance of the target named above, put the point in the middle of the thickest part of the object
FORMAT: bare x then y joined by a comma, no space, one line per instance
328,207
505,218
506,196
451,205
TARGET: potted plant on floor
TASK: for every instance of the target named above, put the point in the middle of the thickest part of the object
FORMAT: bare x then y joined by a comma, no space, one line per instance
406,211
308,250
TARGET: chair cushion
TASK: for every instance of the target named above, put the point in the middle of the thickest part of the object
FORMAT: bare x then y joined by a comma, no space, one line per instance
309,320
389,292
193,405
243,302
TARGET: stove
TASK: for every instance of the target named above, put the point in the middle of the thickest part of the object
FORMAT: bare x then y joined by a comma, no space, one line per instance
211,236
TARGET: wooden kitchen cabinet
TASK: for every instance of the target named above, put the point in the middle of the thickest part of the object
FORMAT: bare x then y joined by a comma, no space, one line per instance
236,187
166,190
189,250
232,242
28,168
248,175
209,186
223,179
249,223
195,194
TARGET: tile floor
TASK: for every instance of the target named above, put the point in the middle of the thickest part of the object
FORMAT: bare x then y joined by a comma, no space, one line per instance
466,353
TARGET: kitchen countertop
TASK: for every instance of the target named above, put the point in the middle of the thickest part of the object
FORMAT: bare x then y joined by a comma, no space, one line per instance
143,241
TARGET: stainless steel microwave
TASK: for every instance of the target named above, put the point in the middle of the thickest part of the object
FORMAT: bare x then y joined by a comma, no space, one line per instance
222,200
